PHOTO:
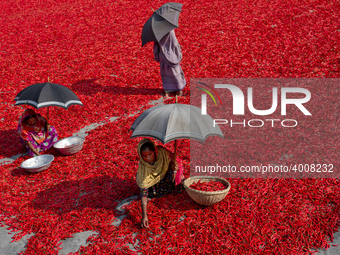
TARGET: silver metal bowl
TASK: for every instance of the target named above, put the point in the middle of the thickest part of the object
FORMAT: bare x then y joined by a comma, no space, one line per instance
38,163
69,145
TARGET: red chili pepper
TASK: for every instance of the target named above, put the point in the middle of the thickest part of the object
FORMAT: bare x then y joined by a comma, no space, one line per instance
208,186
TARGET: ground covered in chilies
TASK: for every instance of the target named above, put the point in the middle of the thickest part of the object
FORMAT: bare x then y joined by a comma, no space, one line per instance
94,48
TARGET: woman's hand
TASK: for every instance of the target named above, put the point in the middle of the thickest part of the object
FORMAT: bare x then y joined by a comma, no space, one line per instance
48,127
174,170
145,222
174,176
30,146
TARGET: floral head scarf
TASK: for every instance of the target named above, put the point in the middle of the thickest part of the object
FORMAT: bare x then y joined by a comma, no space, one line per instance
28,132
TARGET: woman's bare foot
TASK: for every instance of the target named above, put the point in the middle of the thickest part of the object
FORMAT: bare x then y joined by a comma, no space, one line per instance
166,94
180,93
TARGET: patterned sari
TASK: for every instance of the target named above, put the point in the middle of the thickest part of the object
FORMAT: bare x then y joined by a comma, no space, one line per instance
40,138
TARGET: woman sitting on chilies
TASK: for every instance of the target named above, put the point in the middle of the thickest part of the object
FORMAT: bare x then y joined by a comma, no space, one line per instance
35,133
157,174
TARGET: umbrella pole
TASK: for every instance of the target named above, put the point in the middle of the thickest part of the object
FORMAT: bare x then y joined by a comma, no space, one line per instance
48,114
175,150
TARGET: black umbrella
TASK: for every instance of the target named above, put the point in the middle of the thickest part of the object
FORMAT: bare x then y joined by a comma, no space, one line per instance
161,22
47,94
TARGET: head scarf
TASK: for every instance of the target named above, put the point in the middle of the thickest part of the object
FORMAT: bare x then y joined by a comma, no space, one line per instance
148,175
27,132
169,48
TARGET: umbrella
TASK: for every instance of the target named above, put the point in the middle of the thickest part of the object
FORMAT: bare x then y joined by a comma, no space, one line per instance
161,22
47,94
174,121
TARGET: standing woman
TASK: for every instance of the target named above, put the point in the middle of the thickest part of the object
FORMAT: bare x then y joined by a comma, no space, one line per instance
35,133
169,54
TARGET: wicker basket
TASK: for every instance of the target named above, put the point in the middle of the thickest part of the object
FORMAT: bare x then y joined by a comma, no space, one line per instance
70,145
206,197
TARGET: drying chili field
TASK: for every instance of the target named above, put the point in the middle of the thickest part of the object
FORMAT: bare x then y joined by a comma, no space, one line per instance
94,48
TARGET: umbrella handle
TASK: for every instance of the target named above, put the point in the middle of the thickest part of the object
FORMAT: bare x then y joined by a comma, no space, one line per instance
175,150
48,115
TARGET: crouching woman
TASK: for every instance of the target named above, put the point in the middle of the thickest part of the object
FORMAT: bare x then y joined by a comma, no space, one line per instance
35,133
158,174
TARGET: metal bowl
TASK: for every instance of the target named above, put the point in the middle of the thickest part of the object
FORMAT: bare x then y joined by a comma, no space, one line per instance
69,145
38,163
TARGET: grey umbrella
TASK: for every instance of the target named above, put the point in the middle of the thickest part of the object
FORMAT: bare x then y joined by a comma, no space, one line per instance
174,121
161,22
